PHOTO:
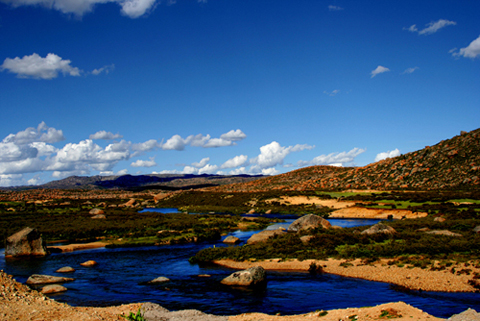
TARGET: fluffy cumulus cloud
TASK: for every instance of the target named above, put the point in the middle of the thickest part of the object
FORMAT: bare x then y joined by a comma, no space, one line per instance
471,51
130,8
237,161
176,142
273,154
105,135
389,154
379,70
431,27
334,159
36,67
144,163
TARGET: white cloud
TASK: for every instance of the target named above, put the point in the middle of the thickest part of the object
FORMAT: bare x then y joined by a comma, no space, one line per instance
36,67
431,27
273,154
42,133
389,154
144,163
235,162
409,70
334,8
332,93
202,163
136,8
147,146
105,135
105,69
11,180
176,142
130,8
471,51
379,70
234,135
335,159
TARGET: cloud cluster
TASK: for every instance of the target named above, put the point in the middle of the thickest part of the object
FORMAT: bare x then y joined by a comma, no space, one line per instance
130,8
335,159
431,27
389,154
32,151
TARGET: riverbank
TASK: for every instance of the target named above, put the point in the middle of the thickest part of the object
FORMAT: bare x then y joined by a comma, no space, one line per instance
413,278
77,247
19,302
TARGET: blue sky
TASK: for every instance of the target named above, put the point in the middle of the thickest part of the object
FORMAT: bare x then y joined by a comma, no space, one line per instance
106,87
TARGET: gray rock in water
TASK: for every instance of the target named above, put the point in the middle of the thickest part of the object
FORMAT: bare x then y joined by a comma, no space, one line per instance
160,279
35,279
467,315
155,312
380,228
27,242
264,235
253,276
53,288
65,269
231,240
307,222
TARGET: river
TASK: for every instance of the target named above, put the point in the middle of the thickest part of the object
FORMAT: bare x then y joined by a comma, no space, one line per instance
118,276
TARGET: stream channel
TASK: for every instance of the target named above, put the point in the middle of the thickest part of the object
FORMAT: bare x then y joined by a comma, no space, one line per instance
118,276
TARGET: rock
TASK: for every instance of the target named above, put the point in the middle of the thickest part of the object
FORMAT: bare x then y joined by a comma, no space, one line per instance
268,212
252,211
253,276
467,315
306,238
380,228
96,211
130,203
27,242
65,269
439,219
263,236
160,279
444,232
231,240
53,288
35,279
307,222
89,263
477,229
100,216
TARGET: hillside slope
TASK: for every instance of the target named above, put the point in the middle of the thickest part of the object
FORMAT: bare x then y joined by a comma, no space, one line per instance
449,165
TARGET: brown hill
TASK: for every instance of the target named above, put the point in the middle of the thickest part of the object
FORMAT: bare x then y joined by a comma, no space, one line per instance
452,164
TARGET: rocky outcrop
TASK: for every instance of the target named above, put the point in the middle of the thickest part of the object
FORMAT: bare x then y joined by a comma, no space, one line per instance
160,279
380,228
253,276
231,240
444,232
27,242
36,279
96,211
309,221
467,315
53,288
155,312
264,235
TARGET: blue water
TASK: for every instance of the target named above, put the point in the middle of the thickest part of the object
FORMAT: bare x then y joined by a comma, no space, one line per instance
118,278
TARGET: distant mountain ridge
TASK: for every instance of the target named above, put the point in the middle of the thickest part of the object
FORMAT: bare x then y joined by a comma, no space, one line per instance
452,164
142,182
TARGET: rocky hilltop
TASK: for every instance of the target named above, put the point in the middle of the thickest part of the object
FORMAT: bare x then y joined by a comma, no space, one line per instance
452,164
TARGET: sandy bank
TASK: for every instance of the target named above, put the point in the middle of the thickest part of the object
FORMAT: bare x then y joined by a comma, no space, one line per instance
412,278
77,247
375,213
299,200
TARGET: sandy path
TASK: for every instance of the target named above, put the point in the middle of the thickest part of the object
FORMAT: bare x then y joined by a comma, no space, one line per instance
412,278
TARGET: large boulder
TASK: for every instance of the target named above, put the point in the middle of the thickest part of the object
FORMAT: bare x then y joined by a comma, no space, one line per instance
96,211
380,228
467,315
309,221
264,235
36,279
27,242
477,229
253,276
